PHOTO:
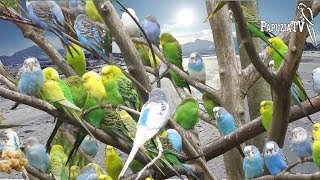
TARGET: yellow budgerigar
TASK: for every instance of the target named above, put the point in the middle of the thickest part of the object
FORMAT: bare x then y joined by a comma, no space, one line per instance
93,84
316,144
58,161
113,162
92,11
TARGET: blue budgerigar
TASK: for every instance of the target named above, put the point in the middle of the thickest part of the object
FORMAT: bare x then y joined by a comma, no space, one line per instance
252,163
196,68
49,16
36,154
226,123
154,115
9,140
273,158
175,139
301,144
88,34
89,145
30,78
151,27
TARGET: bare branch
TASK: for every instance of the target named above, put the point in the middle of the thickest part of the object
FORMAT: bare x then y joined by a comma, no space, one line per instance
40,175
292,165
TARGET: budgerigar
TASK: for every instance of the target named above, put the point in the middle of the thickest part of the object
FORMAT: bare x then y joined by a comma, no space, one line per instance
316,144
301,144
57,92
151,27
90,172
77,60
273,158
58,161
30,78
316,80
78,91
226,123
129,24
92,11
175,139
36,154
266,111
208,104
93,84
49,16
143,51
119,88
196,68
156,62
172,51
9,140
154,115
77,6
113,162
74,171
187,113
88,34
90,146
252,163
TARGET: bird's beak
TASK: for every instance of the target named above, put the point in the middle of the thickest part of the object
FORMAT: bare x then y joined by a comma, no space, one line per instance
294,134
31,66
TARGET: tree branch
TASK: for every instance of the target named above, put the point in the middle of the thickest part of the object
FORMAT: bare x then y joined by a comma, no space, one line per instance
34,172
8,83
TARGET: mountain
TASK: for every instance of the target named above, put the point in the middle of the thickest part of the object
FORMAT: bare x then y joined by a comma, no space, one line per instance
310,47
20,56
204,47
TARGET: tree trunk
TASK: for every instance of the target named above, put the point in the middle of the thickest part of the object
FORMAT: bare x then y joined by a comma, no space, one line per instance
260,90
229,80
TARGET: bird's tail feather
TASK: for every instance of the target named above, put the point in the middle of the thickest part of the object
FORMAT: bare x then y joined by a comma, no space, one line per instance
56,127
15,106
176,161
172,168
295,97
132,154
240,151
74,114
77,143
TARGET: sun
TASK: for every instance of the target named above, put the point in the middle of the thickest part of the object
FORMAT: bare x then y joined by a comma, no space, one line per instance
185,17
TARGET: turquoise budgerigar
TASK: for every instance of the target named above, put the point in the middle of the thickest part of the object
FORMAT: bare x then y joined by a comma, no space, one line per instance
196,68
226,123
89,146
30,78
88,34
301,144
131,27
273,158
9,140
49,16
154,115
151,27
36,154
252,163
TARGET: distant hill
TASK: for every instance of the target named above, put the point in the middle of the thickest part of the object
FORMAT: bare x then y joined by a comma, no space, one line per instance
310,47
204,47
20,56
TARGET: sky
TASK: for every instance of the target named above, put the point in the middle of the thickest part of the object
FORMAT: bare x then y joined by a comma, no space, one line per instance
182,18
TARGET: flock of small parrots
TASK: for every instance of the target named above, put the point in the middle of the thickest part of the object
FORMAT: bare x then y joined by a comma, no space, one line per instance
79,93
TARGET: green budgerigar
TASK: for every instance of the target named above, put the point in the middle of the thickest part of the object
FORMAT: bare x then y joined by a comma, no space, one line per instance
114,163
58,161
208,104
76,58
143,51
316,144
266,111
187,113
92,11
173,53
119,88
78,91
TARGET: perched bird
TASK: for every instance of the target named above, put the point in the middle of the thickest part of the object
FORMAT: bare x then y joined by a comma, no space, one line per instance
266,111
208,104
316,80
36,154
9,140
301,144
154,115
75,57
49,16
58,161
77,6
273,158
155,63
91,172
90,146
113,162
74,171
175,139
252,163
226,123
172,51
129,24
196,68
119,88
92,11
143,51
30,78
78,91
57,92
88,35
187,113
316,144
151,27
93,84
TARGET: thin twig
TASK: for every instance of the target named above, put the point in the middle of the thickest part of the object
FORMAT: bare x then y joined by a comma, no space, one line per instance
292,165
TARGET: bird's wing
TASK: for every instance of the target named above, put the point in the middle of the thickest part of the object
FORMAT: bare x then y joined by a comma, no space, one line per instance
128,92
86,28
157,116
